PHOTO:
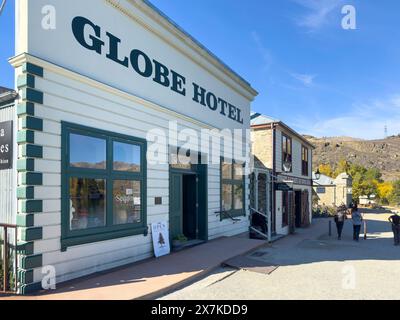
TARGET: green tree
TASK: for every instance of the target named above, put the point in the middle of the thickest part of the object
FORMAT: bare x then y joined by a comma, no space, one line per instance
342,166
326,169
394,198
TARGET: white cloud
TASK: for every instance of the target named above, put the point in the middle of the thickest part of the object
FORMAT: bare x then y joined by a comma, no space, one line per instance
365,121
318,12
305,79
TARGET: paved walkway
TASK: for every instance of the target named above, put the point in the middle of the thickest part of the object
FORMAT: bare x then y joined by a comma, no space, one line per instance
314,266
154,276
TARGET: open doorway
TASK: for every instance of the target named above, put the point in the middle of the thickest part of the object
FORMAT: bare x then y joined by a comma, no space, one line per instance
188,207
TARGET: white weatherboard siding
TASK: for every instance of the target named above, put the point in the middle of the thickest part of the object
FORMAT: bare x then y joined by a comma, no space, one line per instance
83,87
67,99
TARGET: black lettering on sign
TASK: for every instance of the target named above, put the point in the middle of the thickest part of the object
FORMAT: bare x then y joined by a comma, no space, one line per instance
6,145
91,36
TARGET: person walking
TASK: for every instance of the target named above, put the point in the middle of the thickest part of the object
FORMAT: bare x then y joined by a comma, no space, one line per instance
357,218
395,221
340,217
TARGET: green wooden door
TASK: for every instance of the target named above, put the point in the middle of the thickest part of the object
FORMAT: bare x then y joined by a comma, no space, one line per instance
175,205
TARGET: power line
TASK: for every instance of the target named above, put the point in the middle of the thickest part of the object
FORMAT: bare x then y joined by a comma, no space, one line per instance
3,4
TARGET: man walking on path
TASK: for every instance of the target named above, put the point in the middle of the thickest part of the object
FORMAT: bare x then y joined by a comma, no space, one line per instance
357,218
395,221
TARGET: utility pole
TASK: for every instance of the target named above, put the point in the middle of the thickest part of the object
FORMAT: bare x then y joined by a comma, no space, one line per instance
386,131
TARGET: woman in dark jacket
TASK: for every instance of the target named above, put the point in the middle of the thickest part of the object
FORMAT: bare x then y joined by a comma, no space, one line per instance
340,217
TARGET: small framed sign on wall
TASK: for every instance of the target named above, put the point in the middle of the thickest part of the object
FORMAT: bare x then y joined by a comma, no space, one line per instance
6,145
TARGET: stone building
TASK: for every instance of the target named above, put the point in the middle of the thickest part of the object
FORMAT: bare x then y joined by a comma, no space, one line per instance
288,155
333,192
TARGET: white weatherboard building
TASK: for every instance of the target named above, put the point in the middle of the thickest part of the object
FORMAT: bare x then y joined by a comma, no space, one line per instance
92,84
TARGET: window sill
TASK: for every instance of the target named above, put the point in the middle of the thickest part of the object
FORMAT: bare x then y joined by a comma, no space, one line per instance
233,214
75,241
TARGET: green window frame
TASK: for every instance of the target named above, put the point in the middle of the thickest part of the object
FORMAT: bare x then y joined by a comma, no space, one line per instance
232,183
109,230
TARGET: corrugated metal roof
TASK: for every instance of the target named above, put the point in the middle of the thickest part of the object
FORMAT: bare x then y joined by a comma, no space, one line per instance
3,89
259,119
7,96
323,180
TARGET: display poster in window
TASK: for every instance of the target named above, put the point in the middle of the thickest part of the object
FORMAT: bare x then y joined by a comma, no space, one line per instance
6,145
160,239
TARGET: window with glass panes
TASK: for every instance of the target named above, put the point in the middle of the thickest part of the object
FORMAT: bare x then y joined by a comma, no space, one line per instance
104,185
286,153
304,161
232,188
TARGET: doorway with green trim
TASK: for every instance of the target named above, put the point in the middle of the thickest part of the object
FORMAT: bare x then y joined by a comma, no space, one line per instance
188,205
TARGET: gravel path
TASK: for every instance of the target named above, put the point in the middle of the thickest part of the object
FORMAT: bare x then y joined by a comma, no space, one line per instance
314,266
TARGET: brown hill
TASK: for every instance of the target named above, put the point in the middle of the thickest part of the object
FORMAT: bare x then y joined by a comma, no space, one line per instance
383,154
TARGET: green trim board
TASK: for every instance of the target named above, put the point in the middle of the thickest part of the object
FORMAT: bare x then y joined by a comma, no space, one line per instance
109,230
25,220
26,108
32,123
25,192
31,262
25,136
32,95
26,80
32,178
31,151
31,234
31,206
32,69
24,165
97,237
25,276
30,288
25,248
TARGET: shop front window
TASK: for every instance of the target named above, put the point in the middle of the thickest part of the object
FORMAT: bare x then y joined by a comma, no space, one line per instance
232,188
126,157
126,202
104,181
87,152
88,203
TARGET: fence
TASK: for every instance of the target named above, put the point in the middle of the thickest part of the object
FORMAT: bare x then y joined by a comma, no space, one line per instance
8,259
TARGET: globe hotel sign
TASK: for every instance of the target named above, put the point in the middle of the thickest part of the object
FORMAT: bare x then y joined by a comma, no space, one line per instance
146,67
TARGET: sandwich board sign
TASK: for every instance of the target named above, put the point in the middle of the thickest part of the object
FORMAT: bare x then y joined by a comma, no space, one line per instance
6,145
160,237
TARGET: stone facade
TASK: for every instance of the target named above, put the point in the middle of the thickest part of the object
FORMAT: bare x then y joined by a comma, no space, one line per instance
334,192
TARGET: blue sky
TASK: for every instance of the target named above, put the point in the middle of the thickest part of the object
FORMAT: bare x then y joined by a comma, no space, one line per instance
310,72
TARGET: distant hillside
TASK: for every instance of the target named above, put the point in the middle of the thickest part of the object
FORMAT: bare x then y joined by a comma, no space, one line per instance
382,154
